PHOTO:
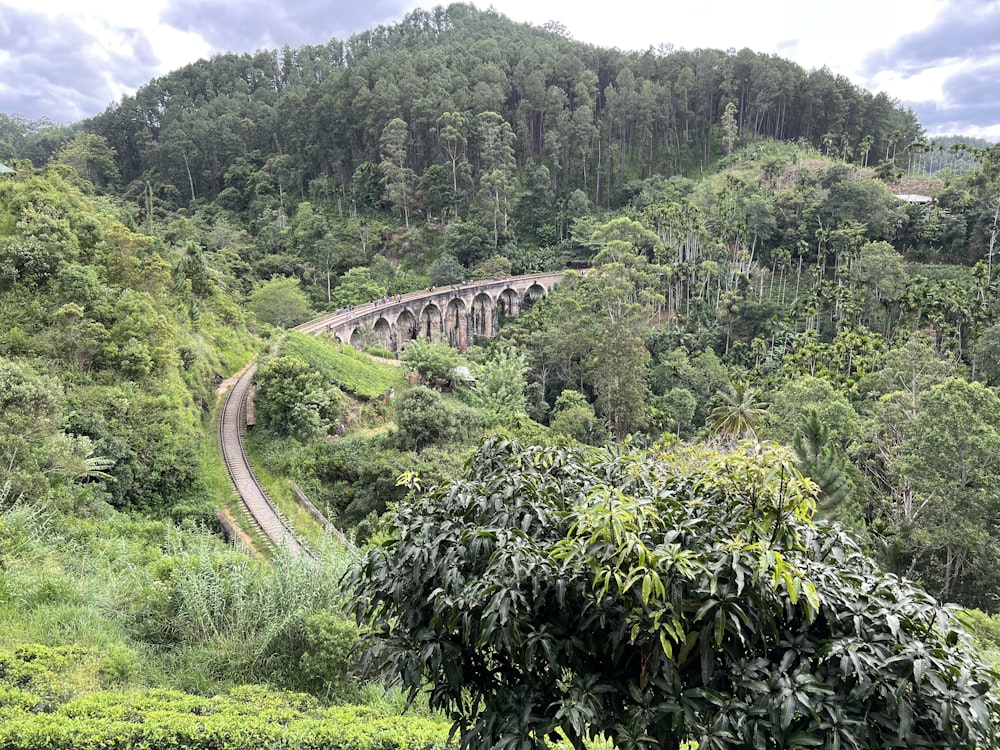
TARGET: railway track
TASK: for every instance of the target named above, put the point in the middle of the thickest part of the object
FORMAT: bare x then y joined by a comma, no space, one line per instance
234,455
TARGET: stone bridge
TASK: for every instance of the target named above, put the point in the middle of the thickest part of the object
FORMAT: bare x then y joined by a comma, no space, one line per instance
456,314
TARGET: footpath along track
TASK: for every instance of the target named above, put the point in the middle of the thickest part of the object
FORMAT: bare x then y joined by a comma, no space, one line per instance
232,437
234,455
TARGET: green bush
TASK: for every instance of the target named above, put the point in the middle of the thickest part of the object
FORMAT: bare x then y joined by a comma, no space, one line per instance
118,666
294,400
332,643
245,719
45,703
424,419
985,629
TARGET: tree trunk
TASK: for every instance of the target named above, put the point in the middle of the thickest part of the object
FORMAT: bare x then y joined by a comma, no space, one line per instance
190,178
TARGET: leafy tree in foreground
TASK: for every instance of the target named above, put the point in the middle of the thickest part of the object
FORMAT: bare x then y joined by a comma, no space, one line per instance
658,598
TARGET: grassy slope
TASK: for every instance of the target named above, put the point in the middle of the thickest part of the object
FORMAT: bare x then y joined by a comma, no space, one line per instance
352,371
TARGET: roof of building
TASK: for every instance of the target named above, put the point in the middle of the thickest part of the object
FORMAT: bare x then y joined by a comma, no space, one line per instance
4,169
915,198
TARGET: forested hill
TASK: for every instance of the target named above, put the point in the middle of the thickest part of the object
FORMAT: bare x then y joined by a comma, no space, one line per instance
316,117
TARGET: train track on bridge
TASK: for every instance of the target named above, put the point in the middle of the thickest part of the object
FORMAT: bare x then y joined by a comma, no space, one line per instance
232,437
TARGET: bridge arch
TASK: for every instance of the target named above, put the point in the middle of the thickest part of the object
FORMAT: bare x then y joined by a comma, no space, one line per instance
383,332
483,320
508,303
534,293
406,330
362,336
430,322
456,324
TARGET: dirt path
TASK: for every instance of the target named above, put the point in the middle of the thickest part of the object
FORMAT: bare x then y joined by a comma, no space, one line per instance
226,384
245,539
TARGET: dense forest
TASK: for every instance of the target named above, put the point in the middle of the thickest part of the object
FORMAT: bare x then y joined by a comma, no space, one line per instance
764,265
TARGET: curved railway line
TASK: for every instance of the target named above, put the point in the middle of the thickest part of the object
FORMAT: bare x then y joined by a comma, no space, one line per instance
232,431
231,439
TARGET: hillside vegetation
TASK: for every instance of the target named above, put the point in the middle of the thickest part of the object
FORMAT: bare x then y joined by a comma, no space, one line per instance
743,281
345,367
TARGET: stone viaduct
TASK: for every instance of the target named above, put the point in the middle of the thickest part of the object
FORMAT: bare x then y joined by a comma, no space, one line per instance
456,314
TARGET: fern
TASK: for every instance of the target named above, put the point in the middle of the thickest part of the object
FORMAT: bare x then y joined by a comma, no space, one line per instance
822,460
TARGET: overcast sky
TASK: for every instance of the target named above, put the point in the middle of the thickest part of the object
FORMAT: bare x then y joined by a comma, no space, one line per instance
67,59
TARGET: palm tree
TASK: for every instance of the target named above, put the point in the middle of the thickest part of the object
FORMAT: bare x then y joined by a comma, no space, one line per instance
95,468
915,151
738,412
865,148
891,145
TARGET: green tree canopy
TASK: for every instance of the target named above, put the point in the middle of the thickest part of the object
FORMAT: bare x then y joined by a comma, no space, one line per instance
672,412
292,400
357,287
91,157
797,399
423,419
986,353
446,270
658,599
573,416
280,302
31,412
498,390
433,360
399,178
948,473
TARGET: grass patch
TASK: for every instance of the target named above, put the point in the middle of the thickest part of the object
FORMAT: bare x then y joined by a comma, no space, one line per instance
279,489
352,371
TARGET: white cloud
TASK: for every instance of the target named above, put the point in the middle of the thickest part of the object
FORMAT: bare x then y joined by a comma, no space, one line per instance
813,34
111,26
